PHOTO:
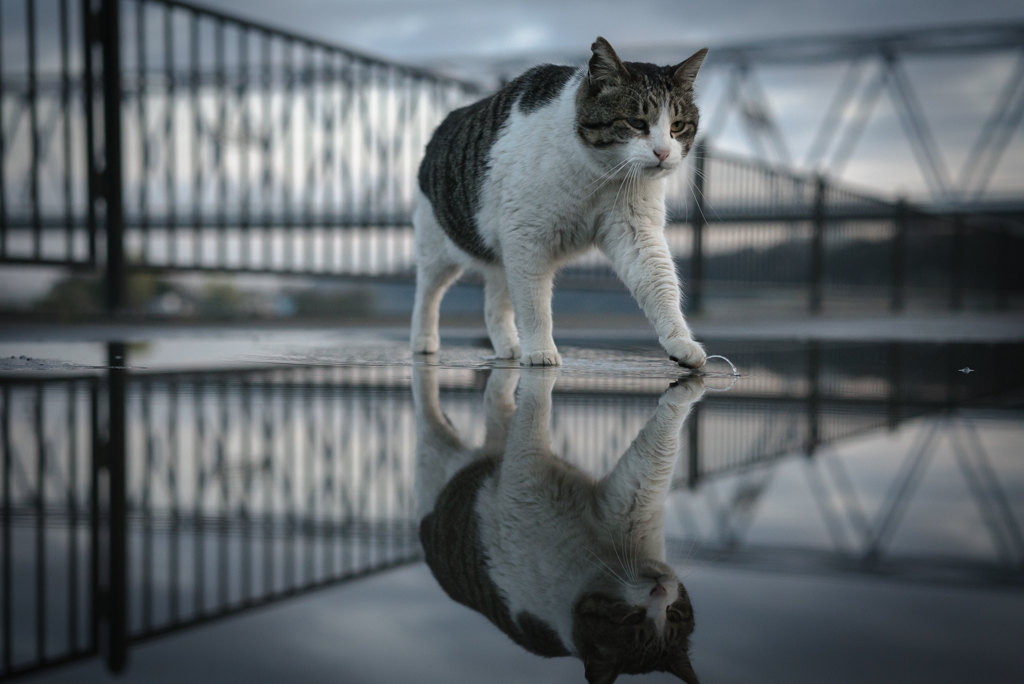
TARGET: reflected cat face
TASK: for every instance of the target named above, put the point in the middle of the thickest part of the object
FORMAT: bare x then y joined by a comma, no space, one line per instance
634,618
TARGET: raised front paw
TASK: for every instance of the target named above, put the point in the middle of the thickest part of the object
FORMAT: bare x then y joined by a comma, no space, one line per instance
685,352
425,344
541,357
683,391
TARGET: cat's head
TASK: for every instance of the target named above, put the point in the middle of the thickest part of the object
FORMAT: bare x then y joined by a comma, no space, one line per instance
633,618
637,114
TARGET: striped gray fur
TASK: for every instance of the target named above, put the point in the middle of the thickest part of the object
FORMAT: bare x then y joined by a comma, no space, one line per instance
457,159
450,537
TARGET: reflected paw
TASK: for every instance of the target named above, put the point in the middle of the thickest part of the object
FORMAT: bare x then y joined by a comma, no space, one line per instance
683,391
543,357
426,344
685,352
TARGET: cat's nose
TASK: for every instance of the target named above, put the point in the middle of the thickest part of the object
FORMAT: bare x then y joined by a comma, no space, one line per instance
662,155
659,590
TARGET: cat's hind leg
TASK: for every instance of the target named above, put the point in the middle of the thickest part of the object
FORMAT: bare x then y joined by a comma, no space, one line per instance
499,315
433,278
435,272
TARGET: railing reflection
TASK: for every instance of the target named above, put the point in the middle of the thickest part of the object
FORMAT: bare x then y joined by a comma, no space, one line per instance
135,503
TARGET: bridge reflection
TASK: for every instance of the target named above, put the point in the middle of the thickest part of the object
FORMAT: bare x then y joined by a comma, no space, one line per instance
137,503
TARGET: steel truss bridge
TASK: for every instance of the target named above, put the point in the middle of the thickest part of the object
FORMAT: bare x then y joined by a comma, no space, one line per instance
139,503
158,135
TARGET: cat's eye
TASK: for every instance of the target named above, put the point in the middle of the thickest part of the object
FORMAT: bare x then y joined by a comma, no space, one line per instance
680,126
634,619
638,124
674,615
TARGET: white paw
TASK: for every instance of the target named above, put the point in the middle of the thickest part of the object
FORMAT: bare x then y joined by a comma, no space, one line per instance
542,357
683,391
426,344
685,352
507,350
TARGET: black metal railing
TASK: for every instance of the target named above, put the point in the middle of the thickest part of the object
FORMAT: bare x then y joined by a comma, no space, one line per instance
155,134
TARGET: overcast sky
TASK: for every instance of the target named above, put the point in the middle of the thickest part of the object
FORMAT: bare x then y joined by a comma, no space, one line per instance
411,29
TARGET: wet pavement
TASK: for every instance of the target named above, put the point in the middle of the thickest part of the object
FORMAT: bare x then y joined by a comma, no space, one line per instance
842,511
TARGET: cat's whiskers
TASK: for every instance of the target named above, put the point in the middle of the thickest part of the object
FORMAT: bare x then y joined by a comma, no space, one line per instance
696,202
622,185
605,178
693,186
626,182
605,568
625,560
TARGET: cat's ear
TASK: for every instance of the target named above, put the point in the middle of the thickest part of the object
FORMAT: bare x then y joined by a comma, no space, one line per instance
605,66
686,71
599,672
682,668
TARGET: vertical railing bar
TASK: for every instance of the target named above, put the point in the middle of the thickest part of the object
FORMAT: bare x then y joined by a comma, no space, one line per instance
223,426
37,219
266,135
90,143
72,421
8,616
817,270
330,95
65,104
117,587
197,133
268,492
112,171
198,528
244,198
331,398
310,159
289,483
3,161
144,151
220,144
957,264
146,505
40,597
170,138
173,599
96,449
288,145
309,533
245,504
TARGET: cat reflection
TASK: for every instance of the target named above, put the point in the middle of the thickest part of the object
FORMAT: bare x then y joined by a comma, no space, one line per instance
563,564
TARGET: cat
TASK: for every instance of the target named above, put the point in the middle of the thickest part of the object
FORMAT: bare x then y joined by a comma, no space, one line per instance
563,564
559,160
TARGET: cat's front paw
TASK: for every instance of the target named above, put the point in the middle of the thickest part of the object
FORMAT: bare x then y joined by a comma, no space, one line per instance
685,351
426,344
541,357
683,391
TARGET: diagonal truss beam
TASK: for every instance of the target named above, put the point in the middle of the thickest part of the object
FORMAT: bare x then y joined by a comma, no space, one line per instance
915,127
995,135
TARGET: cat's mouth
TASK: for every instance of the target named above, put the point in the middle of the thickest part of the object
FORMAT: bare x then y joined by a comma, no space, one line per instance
660,167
